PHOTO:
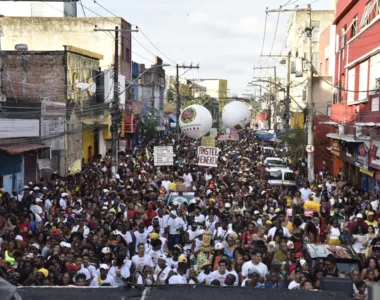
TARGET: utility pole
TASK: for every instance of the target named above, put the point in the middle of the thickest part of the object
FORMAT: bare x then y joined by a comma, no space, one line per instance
270,96
178,104
116,114
310,105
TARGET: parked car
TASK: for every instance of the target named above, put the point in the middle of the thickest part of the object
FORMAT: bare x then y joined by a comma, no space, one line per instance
347,259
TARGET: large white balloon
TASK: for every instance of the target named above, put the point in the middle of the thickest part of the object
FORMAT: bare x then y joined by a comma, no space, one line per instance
195,121
236,115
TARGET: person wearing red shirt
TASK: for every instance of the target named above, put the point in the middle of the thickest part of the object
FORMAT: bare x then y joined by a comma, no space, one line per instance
151,214
24,227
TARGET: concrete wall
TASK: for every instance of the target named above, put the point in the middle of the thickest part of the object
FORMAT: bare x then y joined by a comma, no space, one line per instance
297,43
52,33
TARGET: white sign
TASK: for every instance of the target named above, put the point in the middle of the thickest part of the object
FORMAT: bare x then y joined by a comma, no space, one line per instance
163,155
208,156
310,149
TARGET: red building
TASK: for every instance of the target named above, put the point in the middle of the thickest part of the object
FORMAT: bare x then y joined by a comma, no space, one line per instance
355,108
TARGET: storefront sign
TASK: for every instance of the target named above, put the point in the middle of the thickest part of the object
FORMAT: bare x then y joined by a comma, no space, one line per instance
163,155
361,157
208,156
374,154
335,147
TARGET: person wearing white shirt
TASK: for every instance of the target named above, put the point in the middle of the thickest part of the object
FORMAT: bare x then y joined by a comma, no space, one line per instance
211,220
188,179
174,227
166,184
103,278
272,231
141,235
36,208
63,201
141,259
162,270
90,268
256,264
305,192
221,273
120,271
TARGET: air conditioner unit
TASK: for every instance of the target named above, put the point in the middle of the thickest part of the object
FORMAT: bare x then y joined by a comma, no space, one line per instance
3,98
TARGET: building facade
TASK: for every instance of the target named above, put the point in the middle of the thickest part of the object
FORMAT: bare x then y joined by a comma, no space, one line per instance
55,92
355,109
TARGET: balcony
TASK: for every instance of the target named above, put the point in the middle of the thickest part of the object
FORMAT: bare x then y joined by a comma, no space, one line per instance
130,123
342,113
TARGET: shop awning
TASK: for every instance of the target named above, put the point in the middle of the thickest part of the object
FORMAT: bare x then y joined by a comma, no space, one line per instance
17,147
343,137
367,172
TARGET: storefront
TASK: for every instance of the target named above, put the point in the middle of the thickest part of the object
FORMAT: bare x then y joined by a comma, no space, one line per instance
337,163
374,162
366,172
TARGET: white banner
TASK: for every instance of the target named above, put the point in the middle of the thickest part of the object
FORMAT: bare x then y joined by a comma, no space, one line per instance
208,156
163,155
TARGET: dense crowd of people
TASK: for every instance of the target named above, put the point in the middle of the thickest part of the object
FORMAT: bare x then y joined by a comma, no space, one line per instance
95,228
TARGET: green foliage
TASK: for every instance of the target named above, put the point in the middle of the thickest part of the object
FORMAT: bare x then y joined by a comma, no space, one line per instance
295,140
148,127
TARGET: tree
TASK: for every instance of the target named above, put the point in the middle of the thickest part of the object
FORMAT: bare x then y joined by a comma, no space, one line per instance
295,140
148,127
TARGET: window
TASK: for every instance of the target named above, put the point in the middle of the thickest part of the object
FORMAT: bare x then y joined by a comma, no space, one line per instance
374,72
343,43
366,17
354,27
375,104
275,175
363,81
351,85
127,55
315,35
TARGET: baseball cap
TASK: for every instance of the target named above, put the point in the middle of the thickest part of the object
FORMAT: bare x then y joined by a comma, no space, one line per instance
103,266
154,235
299,255
227,205
44,271
303,262
173,212
359,216
219,246
155,219
182,259
35,245
163,257
254,272
106,250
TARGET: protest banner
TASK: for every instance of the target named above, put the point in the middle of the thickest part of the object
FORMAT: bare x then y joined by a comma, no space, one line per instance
208,156
208,141
163,155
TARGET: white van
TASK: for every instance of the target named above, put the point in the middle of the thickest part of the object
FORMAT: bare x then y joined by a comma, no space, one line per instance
273,161
281,176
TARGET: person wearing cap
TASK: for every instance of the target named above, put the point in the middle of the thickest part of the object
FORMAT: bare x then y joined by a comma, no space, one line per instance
371,219
274,282
104,279
253,279
174,229
162,270
205,276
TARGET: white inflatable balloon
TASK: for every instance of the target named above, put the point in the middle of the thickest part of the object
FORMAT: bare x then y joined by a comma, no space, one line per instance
195,121
236,115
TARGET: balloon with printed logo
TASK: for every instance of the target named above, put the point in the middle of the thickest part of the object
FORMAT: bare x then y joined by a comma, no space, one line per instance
195,121
236,115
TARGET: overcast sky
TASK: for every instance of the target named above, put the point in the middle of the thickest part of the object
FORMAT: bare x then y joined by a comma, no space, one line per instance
223,36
